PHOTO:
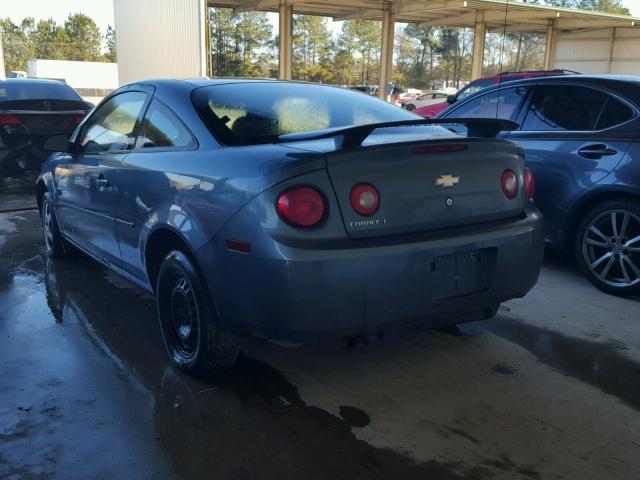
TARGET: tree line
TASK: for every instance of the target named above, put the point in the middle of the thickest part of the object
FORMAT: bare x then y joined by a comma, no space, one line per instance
78,38
245,45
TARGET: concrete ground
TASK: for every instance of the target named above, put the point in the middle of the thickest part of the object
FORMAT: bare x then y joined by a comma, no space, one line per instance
549,389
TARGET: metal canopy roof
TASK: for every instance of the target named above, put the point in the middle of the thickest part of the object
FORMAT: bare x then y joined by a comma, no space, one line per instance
497,14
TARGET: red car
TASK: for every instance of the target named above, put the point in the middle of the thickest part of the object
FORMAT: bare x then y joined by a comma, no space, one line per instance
430,111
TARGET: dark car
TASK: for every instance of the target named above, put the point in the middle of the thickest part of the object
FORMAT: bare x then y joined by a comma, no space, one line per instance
291,211
431,111
30,112
581,136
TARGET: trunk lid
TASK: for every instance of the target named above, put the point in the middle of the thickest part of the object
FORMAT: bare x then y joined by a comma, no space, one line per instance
45,116
421,190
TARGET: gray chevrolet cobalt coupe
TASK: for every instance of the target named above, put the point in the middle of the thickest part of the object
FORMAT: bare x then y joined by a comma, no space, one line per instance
291,211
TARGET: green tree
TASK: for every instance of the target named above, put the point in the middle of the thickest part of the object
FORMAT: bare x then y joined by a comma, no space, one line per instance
84,36
241,44
312,47
16,43
608,6
110,44
49,40
361,39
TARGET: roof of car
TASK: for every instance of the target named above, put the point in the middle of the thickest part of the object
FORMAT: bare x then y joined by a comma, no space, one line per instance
580,77
32,81
198,82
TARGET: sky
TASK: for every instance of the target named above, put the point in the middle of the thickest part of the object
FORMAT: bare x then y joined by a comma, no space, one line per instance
102,10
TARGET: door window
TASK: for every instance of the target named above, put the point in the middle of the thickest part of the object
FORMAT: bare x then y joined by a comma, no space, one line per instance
112,125
564,107
503,104
162,128
614,113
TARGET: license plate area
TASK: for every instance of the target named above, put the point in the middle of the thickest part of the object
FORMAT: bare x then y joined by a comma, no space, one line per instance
462,274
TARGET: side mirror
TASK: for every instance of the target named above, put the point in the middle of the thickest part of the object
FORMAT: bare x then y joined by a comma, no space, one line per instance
90,105
58,143
451,99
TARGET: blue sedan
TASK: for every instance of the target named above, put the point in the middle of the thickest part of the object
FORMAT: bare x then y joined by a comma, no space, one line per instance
581,136
290,211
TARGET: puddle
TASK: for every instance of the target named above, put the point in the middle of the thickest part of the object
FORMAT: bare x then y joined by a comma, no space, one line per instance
598,364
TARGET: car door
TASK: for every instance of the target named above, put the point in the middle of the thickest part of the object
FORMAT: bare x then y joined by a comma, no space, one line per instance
159,170
570,141
87,182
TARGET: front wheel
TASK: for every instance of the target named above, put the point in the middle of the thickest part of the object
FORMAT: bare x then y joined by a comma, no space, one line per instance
410,106
607,247
188,321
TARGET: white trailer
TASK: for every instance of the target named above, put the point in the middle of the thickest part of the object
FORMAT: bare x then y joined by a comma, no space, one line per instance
93,80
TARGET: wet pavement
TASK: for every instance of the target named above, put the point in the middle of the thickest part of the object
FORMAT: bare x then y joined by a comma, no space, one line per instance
550,388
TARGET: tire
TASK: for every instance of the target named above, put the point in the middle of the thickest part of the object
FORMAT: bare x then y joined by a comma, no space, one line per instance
54,243
607,246
188,321
410,107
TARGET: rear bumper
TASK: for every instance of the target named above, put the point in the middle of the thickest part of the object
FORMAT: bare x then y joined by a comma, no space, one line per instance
298,294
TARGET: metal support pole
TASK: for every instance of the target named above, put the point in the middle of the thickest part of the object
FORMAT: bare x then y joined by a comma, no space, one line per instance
550,47
3,75
386,52
612,48
285,50
477,59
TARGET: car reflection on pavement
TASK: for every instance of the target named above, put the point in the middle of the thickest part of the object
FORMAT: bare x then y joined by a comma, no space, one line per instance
251,417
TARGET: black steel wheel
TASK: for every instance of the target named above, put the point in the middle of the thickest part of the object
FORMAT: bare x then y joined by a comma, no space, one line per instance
189,325
608,247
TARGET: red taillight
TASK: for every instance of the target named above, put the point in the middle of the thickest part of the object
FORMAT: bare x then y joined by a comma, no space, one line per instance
364,199
529,181
447,148
78,119
8,119
509,184
301,206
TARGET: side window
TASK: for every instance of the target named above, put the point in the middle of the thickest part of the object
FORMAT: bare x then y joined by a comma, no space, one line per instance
614,113
162,128
564,107
112,125
501,103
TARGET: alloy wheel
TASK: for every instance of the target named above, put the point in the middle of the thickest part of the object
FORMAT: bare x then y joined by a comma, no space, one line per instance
47,227
611,248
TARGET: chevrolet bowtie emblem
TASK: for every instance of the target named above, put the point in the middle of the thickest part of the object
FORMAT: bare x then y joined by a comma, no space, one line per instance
445,181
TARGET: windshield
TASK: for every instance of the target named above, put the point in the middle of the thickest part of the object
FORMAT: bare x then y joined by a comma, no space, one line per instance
473,88
257,112
33,91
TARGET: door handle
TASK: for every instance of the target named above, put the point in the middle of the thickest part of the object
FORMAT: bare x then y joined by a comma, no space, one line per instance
596,151
102,182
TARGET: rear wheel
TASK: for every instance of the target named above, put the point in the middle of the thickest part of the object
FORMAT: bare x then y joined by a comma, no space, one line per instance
410,106
607,247
54,243
189,325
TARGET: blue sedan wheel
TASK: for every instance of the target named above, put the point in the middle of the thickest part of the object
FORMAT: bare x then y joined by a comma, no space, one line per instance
608,247
54,244
190,329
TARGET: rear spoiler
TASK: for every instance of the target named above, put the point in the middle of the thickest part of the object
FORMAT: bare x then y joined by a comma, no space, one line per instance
353,136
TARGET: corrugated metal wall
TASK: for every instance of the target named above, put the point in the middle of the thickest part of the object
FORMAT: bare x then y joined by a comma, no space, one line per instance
159,38
600,51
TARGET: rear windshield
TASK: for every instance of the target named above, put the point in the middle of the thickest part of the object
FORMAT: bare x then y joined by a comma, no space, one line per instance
257,112
33,91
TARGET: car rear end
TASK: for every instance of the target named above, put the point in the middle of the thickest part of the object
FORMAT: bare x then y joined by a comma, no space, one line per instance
390,234
30,113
